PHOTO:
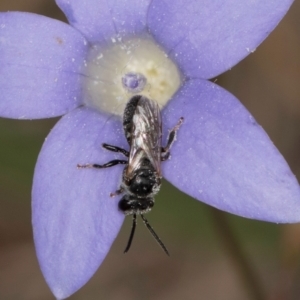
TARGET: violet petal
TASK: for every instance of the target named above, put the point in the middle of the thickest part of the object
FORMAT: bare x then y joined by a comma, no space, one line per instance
75,220
40,66
101,20
209,37
224,158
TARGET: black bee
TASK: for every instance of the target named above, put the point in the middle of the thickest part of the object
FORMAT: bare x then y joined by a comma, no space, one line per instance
142,174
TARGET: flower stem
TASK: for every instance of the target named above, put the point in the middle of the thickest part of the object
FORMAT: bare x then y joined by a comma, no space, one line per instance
243,266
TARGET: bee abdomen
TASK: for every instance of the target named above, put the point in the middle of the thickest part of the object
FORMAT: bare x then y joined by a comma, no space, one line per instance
128,115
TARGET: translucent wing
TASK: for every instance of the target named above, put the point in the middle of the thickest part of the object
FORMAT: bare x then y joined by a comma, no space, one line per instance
145,137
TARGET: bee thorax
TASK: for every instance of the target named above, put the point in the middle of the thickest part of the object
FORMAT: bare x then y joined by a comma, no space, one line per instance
144,183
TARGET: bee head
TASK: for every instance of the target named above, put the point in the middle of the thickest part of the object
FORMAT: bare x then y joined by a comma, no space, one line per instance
129,205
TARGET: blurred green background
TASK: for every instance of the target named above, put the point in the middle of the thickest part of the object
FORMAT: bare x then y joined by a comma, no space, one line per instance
214,255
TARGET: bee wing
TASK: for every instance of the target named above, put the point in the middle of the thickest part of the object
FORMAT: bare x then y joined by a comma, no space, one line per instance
145,136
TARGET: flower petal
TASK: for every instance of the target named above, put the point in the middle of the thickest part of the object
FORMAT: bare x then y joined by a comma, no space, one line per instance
40,66
101,20
74,219
209,37
224,158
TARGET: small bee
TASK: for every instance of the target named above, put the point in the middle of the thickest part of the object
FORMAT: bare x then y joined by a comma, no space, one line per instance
142,175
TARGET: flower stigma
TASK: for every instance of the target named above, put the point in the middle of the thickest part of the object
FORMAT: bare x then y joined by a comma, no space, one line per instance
124,68
134,82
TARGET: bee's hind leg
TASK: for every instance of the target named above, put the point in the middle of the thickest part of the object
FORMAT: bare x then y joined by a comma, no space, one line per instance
165,151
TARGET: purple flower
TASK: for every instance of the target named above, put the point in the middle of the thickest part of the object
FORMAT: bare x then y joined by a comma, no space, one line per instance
222,156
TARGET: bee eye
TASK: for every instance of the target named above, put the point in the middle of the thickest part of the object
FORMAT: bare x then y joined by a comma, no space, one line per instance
125,204
150,203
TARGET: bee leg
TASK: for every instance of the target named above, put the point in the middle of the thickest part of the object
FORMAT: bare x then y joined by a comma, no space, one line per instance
117,192
165,151
115,149
107,165
164,155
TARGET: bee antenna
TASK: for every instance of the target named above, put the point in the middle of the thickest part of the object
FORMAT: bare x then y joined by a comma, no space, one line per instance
155,235
131,233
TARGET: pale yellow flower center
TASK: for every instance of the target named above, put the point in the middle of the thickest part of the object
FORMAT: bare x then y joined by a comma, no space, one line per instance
126,68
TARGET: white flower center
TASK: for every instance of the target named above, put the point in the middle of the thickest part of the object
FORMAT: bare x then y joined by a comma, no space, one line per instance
123,69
